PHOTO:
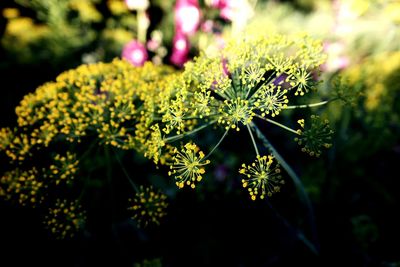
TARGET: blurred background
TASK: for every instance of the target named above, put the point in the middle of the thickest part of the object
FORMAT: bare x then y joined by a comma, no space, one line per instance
353,187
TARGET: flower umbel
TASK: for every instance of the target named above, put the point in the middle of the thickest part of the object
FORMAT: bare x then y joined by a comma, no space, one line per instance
188,165
63,168
314,137
234,112
148,206
262,177
22,186
65,219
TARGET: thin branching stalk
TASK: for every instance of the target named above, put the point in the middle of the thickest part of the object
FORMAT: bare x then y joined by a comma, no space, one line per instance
134,186
215,147
180,136
252,140
309,105
277,124
296,180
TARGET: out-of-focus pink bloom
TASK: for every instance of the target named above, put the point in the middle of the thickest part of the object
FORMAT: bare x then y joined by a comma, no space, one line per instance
219,3
135,52
335,64
227,13
225,67
336,58
187,16
180,49
234,10
137,4
220,41
152,45
207,26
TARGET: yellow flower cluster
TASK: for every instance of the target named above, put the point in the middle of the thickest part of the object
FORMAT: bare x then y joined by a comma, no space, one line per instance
148,206
315,136
262,177
63,168
114,101
65,219
372,76
22,187
188,165
148,108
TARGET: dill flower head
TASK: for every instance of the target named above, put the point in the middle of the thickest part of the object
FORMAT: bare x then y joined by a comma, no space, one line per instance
314,136
262,177
65,219
253,76
234,112
270,100
63,169
19,148
188,165
154,144
22,186
6,137
148,206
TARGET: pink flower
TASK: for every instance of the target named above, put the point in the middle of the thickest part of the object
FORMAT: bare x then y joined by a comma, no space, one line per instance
337,59
180,49
207,26
135,53
219,3
187,16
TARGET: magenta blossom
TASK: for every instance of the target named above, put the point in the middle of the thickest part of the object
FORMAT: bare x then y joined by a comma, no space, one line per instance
187,16
220,4
337,59
226,7
180,49
135,53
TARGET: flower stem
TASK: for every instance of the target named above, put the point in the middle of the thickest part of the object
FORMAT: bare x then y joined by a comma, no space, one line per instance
215,147
298,233
277,123
309,105
299,185
126,173
252,139
179,136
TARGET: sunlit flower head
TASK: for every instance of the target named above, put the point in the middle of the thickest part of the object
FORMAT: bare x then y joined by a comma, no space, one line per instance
271,100
262,177
235,113
188,165
135,53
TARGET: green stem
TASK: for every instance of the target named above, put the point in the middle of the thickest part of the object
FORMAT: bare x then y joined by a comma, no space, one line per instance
252,139
92,145
296,180
126,173
277,123
309,105
215,147
179,136
187,118
298,234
